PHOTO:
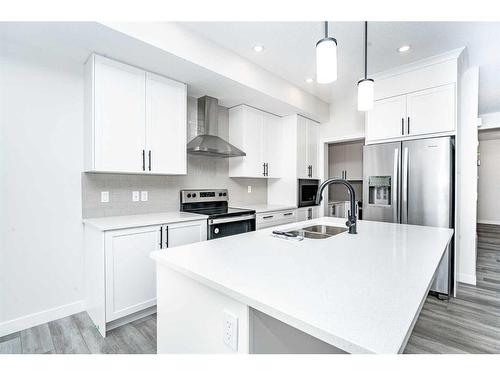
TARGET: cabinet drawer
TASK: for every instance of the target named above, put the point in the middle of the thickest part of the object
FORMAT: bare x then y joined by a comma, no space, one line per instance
270,219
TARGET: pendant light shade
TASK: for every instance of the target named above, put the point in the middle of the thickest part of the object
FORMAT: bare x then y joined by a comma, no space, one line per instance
326,59
365,94
366,85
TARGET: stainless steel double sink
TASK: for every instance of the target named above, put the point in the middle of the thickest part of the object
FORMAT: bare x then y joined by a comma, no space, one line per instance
317,232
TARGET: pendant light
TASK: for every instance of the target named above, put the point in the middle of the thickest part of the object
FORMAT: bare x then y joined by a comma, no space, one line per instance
326,58
366,85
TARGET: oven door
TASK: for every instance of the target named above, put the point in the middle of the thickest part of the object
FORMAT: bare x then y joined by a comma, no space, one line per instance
229,226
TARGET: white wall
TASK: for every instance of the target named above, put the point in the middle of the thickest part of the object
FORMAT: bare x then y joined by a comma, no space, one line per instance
346,122
489,178
41,160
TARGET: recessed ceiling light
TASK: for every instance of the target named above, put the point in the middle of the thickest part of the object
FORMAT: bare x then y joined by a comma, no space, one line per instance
404,48
309,80
258,48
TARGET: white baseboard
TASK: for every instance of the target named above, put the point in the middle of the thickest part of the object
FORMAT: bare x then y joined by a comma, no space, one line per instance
466,278
31,320
493,222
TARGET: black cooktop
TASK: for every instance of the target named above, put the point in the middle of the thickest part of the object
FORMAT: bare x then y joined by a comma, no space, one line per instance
218,212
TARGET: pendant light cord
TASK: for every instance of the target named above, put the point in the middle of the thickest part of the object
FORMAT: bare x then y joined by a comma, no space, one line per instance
366,49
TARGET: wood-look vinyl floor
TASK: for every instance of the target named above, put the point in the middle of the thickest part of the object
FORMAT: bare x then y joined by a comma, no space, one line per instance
469,323
76,334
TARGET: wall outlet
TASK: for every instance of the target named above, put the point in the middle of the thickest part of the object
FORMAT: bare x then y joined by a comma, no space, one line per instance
230,330
249,189
144,196
135,196
104,196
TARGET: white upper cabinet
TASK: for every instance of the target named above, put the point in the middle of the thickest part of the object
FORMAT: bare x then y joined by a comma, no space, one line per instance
425,112
307,148
272,136
416,100
386,119
135,121
259,135
166,103
431,111
119,116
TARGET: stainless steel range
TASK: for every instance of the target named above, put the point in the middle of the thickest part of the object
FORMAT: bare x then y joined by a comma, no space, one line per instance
222,220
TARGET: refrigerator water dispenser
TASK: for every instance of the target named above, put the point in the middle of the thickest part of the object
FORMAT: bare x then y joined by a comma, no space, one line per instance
379,190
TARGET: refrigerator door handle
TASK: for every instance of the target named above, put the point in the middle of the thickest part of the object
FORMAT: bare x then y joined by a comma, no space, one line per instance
395,195
404,211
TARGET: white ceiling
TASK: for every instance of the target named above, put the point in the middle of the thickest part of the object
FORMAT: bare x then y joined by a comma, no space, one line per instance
289,50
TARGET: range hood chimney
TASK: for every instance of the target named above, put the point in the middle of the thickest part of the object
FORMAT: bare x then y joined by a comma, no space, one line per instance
207,142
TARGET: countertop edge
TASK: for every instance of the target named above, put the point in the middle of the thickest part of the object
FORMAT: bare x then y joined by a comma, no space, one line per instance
329,338
141,222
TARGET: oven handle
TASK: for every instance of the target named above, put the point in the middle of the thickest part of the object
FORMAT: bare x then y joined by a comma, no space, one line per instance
231,219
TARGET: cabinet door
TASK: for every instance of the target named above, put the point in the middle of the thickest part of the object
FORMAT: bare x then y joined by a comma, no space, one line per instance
302,162
119,116
385,120
185,233
313,147
272,138
431,111
336,160
245,132
130,272
166,128
254,160
353,161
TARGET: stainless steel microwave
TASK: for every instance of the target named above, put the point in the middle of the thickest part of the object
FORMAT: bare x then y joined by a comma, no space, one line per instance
308,189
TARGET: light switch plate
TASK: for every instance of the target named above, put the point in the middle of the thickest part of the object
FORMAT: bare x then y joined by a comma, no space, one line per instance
144,196
249,189
135,196
104,196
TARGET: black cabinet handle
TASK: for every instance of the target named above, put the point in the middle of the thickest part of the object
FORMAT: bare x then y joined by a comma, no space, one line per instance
149,157
161,237
267,169
402,126
408,130
288,214
268,217
166,235
143,160
264,169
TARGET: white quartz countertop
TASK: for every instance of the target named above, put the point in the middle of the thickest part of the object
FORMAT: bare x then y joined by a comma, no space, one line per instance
264,207
131,221
360,293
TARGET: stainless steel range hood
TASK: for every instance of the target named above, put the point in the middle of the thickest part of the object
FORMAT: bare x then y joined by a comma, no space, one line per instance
207,142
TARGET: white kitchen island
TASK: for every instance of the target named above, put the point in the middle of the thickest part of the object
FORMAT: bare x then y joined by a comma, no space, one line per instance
348,293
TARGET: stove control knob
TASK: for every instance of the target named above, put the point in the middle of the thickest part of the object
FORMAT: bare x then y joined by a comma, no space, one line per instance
189,195
216,230
224,194
220,194
194,195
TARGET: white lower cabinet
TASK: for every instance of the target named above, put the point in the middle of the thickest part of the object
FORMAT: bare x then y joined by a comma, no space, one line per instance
130,273
122,281
307,213
271,219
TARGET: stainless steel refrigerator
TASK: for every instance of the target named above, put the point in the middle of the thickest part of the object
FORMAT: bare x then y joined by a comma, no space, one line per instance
411,182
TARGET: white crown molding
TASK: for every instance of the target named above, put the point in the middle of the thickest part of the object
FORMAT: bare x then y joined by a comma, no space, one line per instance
436,59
